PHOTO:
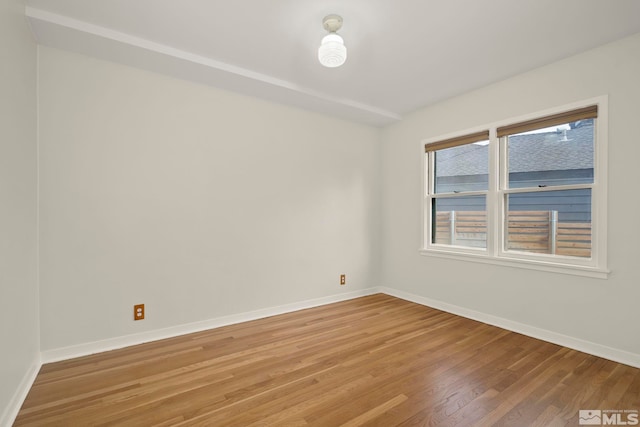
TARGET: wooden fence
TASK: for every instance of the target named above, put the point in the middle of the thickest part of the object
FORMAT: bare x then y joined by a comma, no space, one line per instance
528,231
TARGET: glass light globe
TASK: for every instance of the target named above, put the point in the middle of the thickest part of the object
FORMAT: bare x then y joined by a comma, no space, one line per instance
332,52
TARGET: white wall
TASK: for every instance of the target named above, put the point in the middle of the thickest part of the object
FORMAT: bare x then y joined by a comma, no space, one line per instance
19,348
605,312
196,202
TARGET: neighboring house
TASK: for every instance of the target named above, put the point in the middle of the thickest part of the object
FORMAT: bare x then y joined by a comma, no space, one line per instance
535,159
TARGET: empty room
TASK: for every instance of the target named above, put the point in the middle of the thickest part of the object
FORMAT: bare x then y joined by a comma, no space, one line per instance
319,213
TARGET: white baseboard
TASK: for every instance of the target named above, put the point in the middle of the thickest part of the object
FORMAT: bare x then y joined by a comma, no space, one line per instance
48,356
8,416
85,349
616,355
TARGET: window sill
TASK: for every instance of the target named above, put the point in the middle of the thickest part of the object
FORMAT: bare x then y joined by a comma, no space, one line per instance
574,270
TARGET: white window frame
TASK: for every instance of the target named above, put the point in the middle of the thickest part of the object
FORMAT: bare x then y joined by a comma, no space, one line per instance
495,253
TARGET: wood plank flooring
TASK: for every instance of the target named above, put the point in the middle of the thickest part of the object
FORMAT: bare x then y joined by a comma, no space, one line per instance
374,361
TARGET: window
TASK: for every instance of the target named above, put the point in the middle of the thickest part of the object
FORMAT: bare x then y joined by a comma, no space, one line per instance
529,192
459,195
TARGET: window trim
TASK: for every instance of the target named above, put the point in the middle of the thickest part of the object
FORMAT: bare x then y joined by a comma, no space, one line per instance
595,266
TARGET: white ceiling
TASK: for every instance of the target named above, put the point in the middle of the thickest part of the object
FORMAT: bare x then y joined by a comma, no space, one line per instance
402,54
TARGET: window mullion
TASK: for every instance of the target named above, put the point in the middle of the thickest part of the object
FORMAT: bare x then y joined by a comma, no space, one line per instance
493,218
462,193
501,207
549,189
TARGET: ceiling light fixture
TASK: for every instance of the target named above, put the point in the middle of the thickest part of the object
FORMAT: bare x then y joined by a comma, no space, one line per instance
332,52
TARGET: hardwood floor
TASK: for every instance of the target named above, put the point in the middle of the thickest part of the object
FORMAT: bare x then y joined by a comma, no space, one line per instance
376,360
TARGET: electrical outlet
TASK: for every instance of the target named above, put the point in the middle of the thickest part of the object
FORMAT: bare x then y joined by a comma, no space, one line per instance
343,279
138,312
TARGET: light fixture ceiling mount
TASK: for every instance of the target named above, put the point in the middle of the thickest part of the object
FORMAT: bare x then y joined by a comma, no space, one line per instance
332,51
332,23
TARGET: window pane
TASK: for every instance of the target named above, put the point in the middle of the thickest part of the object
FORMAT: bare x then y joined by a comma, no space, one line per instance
550,222
460,221
560,155
463,168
